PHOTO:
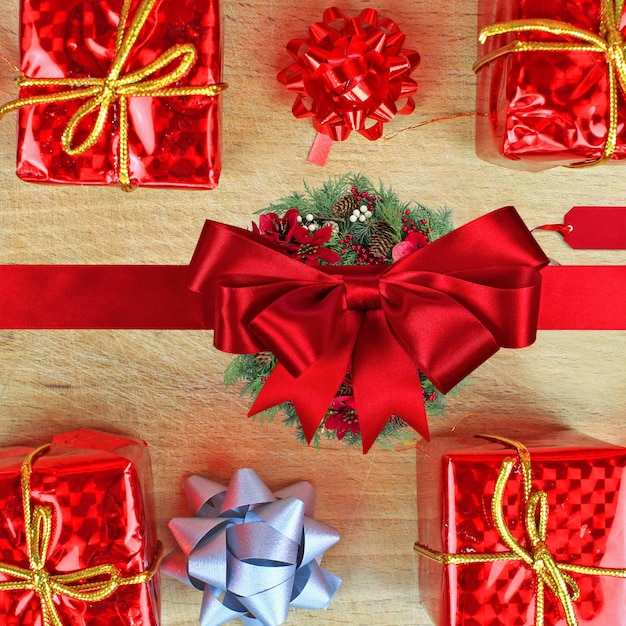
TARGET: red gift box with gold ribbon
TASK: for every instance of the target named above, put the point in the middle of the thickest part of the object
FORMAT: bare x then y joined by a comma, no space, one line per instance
526,536
77,538
119,91
551,77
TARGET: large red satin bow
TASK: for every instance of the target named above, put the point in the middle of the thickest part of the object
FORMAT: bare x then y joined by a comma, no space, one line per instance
442,310
350,71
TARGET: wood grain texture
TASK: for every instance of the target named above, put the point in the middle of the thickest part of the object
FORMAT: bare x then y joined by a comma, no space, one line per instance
167,386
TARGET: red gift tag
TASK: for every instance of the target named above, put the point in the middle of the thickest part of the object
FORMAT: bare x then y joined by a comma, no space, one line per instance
593,228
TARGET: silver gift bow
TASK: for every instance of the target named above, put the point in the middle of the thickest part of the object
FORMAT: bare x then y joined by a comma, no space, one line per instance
254,553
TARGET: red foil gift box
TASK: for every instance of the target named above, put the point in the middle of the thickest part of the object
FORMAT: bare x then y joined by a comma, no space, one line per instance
550,83
77,540
120,91
525,550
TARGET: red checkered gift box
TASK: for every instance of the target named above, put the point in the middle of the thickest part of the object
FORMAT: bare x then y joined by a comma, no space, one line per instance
77,538
119,91
528,537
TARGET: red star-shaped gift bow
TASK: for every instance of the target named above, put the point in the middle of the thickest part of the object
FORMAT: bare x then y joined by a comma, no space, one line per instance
443,310
350,71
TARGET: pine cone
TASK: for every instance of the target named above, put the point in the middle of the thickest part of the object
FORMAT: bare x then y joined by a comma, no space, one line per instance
344,206
263,358
345,390
382,239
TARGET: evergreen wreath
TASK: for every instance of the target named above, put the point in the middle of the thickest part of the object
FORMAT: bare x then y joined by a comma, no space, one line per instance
348,221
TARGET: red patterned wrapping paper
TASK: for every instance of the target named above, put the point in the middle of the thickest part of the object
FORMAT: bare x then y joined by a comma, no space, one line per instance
173,141
586,525
94,483
540,109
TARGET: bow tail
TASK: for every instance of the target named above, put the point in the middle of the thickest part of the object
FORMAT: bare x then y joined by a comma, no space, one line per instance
385,380
311,393
312,390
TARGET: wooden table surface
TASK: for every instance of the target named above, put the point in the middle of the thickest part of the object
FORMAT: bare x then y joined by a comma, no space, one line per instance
167,388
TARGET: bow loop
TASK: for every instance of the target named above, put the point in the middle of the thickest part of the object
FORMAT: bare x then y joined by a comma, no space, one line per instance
41,530
100,102
184,55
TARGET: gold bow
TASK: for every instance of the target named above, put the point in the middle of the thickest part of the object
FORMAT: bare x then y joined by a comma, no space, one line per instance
91,584
103,92
548,571
608,41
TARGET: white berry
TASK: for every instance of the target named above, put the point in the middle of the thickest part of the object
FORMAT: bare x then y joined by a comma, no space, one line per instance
353,218
309,217
312,227
363,208
362,218
299,219
368,214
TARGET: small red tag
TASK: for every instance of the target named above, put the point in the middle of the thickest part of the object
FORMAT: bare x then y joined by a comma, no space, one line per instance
595,228
320,149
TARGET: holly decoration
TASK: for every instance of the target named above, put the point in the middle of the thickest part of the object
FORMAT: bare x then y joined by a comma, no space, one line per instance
348,221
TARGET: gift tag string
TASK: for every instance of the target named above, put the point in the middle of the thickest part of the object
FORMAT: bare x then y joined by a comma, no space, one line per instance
10,63
538,557
91,584
102,93
434,120
562,229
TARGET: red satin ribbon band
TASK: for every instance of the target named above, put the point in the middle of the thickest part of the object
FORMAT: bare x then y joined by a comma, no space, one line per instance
154,297
442,311
59,297
583,297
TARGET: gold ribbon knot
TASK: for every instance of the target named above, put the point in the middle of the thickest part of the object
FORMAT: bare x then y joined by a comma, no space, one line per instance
608,41
104,92
91,584
548,571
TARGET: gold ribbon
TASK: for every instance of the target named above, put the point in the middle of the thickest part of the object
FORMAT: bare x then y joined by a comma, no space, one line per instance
548,571
608,41
103,92
91,584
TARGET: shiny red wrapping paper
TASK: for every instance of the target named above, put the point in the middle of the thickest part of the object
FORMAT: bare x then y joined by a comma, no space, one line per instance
586,525
540,109
94,483
173,141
